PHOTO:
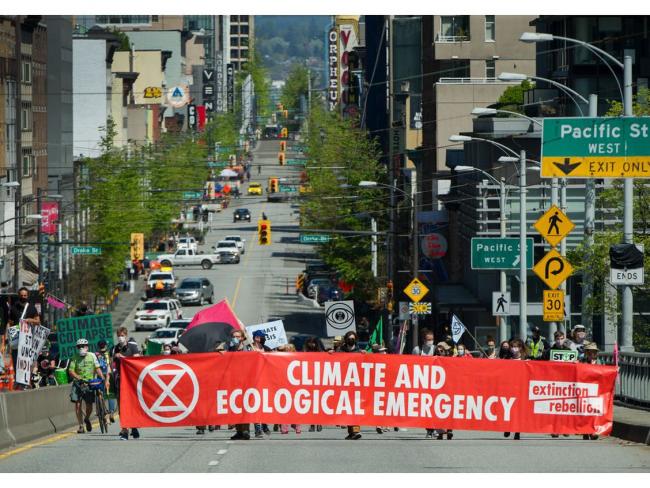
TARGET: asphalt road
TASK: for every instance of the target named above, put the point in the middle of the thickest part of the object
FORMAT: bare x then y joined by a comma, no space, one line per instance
257,289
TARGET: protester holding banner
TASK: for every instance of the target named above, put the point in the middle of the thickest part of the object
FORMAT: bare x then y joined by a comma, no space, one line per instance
313,345
559,343
442,349
490,351
236,344
461,351
580,340
124,348
83,367
259,338
504,350
21,310
350,346
518,352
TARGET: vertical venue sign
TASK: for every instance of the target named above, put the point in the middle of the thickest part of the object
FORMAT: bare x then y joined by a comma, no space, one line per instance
333,68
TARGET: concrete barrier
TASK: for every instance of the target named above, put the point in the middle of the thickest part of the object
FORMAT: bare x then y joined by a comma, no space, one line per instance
30,414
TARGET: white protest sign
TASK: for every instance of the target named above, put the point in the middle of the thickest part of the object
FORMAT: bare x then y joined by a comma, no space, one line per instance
30,343
276,336
339,317
457,328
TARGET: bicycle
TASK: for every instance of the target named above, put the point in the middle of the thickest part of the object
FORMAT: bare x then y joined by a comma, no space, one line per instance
97,386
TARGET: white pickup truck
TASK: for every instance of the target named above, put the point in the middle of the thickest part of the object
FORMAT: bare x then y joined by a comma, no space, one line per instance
189,257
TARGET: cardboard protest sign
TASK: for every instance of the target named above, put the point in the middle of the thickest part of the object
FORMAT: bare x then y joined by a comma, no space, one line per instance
30,342
276,336
92,327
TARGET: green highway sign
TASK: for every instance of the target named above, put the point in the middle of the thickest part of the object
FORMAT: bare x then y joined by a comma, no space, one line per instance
287,188
296,162
499,253
596,147
314,238
192,195
87,250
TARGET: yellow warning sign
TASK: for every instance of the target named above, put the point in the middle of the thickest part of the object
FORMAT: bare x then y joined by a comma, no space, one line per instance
554,225
416,290
553,306
553,269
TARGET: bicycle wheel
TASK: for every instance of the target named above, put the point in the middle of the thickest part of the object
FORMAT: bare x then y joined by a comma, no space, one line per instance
101,412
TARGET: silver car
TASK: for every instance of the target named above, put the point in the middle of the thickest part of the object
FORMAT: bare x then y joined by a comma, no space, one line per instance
195,291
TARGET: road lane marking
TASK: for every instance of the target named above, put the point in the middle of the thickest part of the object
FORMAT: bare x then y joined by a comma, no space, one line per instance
213,463
234,298
221,452
245,263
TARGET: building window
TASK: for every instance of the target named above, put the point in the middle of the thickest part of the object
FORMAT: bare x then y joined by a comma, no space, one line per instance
125,19
243,54
27,162
454,28
234,41
234,29
490,28
243,29
244,41
234,54
26,119
234,18
27,72
243,18
490,68
154,18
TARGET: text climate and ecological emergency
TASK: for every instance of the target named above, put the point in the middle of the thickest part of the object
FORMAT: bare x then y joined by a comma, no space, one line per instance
353,389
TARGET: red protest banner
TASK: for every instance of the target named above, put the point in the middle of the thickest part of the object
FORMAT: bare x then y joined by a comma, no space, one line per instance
356,389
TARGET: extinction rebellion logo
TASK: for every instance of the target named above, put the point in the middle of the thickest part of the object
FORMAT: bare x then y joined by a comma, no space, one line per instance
168,390
565,398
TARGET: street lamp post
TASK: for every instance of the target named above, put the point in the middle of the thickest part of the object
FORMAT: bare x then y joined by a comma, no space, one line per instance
628,183
523,282
502,233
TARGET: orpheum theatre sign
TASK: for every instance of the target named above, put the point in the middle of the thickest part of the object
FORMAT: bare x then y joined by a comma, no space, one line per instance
333,68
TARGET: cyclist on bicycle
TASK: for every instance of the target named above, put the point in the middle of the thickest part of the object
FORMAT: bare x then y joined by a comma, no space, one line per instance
83,367
44,368
104,358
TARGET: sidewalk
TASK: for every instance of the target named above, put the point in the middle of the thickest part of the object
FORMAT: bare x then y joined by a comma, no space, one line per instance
631,424
126,303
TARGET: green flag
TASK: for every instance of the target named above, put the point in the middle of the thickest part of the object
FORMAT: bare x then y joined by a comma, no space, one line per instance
377,336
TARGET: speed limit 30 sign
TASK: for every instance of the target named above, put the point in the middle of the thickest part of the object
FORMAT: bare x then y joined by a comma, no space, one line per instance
553,306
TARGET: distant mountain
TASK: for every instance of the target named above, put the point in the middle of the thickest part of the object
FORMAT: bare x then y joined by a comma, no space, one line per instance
283,40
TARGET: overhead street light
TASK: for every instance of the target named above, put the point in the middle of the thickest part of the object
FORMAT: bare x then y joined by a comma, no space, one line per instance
566,89
494,111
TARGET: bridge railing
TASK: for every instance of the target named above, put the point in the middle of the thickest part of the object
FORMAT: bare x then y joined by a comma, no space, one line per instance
633,382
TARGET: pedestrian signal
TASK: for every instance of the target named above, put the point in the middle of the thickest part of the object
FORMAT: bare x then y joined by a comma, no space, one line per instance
283,146
264,232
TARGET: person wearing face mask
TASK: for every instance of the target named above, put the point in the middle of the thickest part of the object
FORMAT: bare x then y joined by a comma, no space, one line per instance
83,367
559,343
580,340
461,351
125,348
83,310
313,345
236,344
443,349
491,350
166,349
518,352
537,344
504,350
350,346
104,359
427,348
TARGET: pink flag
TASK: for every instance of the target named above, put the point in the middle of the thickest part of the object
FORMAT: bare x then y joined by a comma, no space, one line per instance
616,353
55,302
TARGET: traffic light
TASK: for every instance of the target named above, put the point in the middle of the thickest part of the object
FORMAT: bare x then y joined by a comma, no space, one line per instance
264,232
283,145
273,185
284,133
281,158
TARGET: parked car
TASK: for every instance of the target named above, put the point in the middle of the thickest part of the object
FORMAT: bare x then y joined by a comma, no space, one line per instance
195,291
166,335
329,294
189,257
241,243
228,251
187,242
241,214
254,188
316,283
155,314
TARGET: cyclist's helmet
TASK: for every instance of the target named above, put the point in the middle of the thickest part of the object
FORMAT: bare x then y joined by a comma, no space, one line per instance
82,342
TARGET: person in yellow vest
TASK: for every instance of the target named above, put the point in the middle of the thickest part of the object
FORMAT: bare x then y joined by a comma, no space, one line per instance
536,345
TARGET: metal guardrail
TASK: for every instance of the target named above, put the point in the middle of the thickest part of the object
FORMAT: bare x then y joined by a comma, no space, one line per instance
633,381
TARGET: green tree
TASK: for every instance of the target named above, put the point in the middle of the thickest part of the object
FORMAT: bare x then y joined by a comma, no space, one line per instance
333,143
512,98
296,86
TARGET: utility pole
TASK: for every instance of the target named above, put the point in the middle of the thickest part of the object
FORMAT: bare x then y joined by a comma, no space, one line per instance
590,218
391,261
373,246
523,282
19,163
628,216
502,273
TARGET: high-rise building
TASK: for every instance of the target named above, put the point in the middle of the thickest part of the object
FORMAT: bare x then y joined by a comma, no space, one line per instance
240,39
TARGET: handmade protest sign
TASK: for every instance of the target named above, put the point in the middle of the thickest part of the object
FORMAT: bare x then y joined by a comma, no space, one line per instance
92,327
30,342
275,333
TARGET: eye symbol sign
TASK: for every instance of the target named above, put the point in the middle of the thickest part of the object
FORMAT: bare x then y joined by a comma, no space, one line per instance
339,316
164,382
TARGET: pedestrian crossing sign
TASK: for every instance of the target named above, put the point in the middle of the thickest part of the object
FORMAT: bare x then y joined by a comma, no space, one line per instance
416,290
554,225
500,303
